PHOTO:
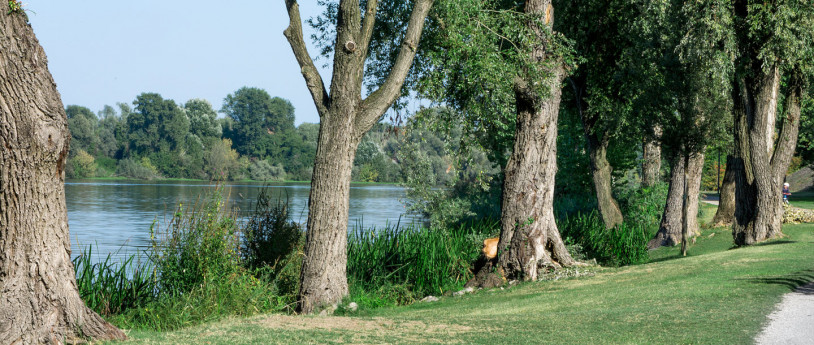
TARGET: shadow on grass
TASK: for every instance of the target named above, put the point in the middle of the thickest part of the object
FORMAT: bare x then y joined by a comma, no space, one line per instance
794,281
771,243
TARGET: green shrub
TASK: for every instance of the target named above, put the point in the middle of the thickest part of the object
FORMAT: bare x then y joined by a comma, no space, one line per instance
269,237
398,265
110,288
644,206
199,242
82,165
625,244
261,170
129,167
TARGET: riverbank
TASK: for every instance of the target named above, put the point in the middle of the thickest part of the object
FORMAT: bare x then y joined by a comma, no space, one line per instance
173,179
714,295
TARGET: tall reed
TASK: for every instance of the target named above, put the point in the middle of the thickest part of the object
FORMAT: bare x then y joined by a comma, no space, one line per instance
110,287
625,244
419,261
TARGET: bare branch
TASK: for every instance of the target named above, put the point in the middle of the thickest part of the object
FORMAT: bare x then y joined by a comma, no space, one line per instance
309,71
367,26
380,100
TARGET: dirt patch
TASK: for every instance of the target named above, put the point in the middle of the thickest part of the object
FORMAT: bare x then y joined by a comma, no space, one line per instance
376,326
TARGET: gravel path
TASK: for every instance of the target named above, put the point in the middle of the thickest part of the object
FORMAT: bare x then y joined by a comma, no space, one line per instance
792,322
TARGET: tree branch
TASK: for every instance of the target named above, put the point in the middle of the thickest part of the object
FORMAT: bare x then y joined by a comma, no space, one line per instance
789,128
309,71
367,26
380,100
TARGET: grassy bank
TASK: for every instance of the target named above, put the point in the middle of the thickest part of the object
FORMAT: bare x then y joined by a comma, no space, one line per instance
714,295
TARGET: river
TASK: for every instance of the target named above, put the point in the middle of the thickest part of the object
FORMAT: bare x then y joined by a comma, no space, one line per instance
115,216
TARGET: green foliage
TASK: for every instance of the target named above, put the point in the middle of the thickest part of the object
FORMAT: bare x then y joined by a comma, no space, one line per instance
198,242
625,244
82,165
269,236
109,287
258,118
129,167
449,180
15,6
644,206
203,121
195,271
222,162
261,170
398,265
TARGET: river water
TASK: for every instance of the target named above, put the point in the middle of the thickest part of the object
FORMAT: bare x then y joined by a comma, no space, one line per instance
115,216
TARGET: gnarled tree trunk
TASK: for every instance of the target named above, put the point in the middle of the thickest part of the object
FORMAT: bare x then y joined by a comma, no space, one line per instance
39,301
344,118
601,170
529,236
598,152
725,214
762,161
651,160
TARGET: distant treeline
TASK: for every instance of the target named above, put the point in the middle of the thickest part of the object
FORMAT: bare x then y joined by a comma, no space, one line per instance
256,139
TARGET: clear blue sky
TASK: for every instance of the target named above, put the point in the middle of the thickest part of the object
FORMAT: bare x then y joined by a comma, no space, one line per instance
108,51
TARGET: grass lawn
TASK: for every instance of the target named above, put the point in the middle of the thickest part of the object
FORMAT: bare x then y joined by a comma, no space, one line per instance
715,295
802,200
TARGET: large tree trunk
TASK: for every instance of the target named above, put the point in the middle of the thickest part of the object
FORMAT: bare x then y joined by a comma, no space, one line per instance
726,203
323,281
669,233
344,118
39,301
651,160
762,160
601,170
529,236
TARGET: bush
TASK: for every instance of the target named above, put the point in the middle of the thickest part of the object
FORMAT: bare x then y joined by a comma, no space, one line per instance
199,242
626,244
644,206
194,274
111,288
269,237
83,165
261,170
128,167
397,266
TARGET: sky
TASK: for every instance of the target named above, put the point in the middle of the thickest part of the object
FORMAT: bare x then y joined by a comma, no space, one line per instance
104,52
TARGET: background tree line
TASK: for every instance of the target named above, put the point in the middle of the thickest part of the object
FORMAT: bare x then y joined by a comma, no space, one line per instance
256,139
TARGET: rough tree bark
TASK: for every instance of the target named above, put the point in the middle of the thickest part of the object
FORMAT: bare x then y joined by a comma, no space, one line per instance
344,118
601,171
651,160
669,233
39,301
529,236
681,207
762,161
726,203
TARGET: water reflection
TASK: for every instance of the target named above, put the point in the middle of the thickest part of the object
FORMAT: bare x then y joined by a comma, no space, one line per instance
115,216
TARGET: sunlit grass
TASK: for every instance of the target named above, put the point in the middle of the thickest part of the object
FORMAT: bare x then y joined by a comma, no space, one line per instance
715,295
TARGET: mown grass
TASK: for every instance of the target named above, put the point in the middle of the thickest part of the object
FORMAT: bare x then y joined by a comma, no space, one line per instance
716,294
802,200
